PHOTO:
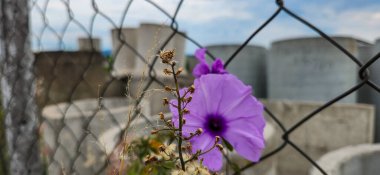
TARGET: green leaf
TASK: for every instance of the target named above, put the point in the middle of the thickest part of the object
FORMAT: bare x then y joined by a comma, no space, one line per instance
228,144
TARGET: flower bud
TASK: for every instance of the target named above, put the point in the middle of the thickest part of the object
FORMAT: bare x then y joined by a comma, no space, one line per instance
186,111
201,161
192,89
199,131
219,146
169,123
188,100
217,139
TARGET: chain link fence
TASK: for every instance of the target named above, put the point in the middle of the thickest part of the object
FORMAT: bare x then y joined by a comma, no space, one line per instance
82,115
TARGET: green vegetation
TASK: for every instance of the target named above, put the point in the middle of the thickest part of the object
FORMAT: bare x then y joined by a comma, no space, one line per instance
144,147
110,61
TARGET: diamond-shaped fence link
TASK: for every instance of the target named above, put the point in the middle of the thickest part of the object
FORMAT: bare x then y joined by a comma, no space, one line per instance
76,108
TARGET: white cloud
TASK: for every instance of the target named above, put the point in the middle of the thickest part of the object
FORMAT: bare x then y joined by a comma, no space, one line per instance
363,23
200,17
192,12
203,11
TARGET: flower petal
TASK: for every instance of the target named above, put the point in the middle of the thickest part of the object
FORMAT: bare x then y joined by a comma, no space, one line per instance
213,159
247,106
191,125
238,100
246,137
201,69
201,142
194,119
193,122
218,67
174,109
200,55
209,88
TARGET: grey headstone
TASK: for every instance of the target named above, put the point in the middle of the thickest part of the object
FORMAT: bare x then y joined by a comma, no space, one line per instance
89,44
311,69
248,65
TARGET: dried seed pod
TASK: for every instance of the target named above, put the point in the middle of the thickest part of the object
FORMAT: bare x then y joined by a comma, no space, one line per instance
165,101
151,159
162,116
167,88
186,111
192,89
162,148
154,131
188,100
167,71
179,71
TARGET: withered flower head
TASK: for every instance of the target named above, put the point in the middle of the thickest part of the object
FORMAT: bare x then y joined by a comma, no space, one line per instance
167,56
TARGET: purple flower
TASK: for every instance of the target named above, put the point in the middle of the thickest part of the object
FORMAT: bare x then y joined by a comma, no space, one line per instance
223,106
202,67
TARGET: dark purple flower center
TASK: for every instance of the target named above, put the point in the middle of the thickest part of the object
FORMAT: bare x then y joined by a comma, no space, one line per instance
215,124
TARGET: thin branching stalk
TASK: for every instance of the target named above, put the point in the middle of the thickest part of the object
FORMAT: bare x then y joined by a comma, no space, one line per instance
180,114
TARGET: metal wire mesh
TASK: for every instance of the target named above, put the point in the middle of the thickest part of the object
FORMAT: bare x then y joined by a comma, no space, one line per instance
60,128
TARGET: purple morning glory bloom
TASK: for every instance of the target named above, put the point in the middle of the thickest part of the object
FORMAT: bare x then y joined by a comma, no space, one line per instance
223,106
202,67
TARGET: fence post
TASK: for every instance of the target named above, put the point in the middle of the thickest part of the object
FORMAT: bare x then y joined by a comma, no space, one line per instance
18,88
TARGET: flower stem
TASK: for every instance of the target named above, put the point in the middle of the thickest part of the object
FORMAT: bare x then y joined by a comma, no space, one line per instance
180,113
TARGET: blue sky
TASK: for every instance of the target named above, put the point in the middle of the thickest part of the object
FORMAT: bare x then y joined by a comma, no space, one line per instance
210,21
